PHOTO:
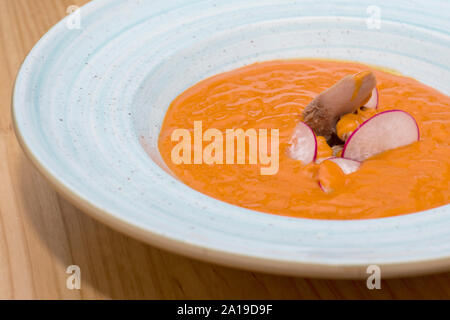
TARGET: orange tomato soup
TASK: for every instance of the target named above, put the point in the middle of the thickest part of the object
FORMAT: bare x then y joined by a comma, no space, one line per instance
272,95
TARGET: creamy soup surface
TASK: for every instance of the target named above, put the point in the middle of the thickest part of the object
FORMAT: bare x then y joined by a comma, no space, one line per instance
272,95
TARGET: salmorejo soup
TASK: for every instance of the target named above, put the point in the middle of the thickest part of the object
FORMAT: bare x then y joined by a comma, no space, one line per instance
319,142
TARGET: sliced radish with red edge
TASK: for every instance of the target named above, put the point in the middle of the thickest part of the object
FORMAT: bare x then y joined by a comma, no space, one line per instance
323,188
384,131
303,144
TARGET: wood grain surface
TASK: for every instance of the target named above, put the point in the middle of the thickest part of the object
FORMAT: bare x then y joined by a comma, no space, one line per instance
41,234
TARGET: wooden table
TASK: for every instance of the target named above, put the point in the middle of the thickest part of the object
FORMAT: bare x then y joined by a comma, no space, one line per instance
41,234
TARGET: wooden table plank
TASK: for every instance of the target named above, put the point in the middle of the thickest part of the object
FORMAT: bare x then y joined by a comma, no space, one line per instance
41,234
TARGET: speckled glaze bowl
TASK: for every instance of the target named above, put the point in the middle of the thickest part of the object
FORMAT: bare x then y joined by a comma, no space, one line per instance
89,102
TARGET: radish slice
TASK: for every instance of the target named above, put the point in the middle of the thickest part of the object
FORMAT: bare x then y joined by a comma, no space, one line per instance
384,131
348,166
329,180
303,144
323,188
373,101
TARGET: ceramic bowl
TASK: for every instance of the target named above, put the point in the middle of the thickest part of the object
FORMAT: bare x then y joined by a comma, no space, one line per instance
91,96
